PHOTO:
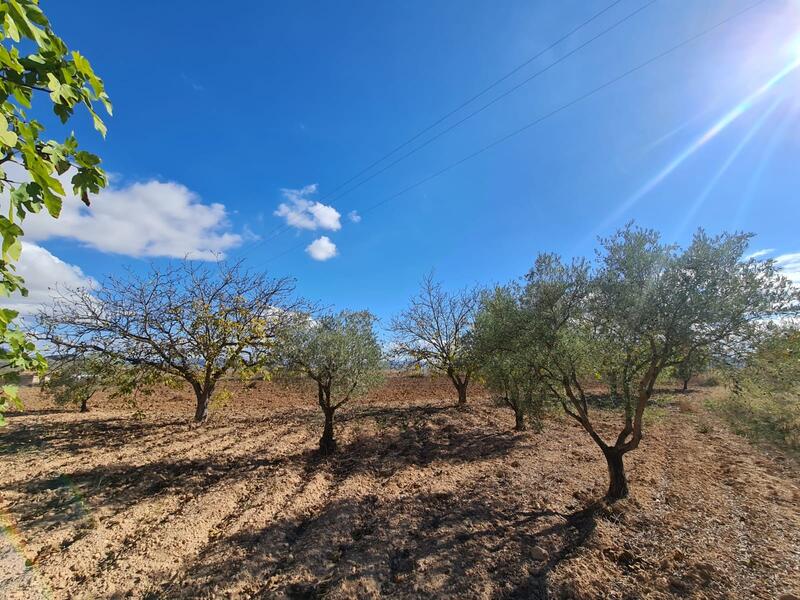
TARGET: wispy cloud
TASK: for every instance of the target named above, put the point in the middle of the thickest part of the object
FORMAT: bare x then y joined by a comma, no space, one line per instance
322,249
760,253
191,83
44,274
303,213
790,265
145,219
354,216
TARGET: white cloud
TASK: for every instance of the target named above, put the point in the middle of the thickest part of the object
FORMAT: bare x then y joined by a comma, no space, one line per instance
789,265
152,218
354,216
303,213
44,274
322,248
759,253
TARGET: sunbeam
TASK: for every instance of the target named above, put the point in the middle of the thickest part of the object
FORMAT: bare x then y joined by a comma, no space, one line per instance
717,128
712,182
754,183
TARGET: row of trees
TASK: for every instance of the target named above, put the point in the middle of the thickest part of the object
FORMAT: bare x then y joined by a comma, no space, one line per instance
564,335
197,324
615,325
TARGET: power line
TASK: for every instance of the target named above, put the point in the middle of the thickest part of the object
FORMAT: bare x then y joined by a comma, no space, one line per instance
552,113
470,100
498,98
333,196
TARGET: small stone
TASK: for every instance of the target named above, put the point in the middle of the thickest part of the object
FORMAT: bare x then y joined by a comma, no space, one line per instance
788,596
539,553
625,557
676,583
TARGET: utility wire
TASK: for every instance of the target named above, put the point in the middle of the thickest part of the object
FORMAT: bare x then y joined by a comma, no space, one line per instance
552,113
470,100
498,98
333,196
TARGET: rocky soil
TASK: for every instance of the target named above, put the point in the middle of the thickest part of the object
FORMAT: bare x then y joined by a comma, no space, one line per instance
423,501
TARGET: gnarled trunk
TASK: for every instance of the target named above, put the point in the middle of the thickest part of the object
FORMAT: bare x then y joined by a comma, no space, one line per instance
519,417
617,482
201,409
327,443
85,405
462,394
460,385
685,385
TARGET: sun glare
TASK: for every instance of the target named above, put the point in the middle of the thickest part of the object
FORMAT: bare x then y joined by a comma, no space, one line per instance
768,65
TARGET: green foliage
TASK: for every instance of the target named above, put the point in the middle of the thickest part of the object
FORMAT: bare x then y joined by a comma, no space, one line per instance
17,353
339,352
508,366
642,308
33,60
695,363
765,398
75,380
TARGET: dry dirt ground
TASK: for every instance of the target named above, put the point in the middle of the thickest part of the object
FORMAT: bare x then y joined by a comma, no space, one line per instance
423,501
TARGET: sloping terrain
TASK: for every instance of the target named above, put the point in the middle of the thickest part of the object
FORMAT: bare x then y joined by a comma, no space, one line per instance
423,501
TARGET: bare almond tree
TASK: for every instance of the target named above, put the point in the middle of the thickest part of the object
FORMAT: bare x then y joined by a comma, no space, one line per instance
189,321
433,331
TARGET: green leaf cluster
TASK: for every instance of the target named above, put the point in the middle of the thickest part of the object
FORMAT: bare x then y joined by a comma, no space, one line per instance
340,352
35,62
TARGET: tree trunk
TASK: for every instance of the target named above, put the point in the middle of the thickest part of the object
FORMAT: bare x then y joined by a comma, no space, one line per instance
685,385
520,420
327,444
462,395
201,412
617,482
84,405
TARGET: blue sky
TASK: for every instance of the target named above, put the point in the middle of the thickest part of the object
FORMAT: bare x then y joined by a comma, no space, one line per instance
223,112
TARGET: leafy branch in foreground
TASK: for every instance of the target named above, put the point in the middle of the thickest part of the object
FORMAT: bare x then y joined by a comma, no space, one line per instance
30,164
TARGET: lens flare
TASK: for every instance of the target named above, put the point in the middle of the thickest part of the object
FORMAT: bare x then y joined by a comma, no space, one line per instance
723,123
754,183
712,183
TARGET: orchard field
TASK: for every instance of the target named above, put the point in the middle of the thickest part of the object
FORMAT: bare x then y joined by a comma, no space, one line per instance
422,500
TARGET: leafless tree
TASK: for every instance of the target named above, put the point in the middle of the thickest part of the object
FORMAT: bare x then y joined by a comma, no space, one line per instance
433,330
188,321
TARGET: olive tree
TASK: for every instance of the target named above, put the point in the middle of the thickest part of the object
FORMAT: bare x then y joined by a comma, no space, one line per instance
188,321
690,365
764,399
504,356
433,332
74,380
640,309
36,65
341,354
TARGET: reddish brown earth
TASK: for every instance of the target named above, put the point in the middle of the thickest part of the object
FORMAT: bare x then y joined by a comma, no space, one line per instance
423,501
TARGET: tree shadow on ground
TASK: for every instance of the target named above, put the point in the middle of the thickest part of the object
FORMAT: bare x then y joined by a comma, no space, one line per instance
409,436
68,493
75,436
431,552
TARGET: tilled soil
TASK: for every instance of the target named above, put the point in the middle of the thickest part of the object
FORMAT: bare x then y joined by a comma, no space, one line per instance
422,501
